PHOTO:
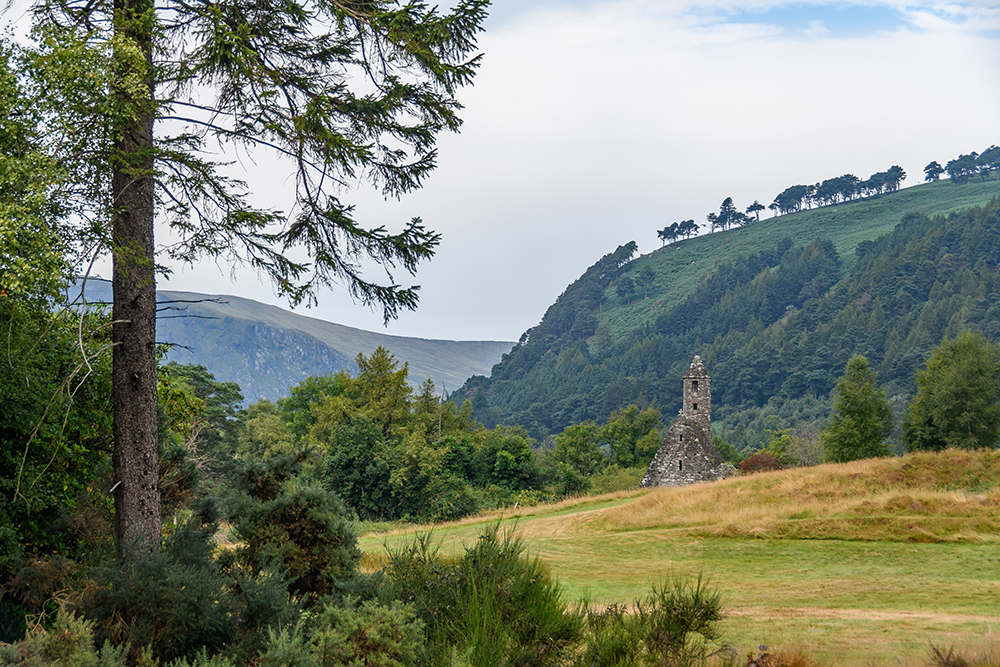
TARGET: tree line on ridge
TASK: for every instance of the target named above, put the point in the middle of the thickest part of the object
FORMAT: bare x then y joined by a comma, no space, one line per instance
833,191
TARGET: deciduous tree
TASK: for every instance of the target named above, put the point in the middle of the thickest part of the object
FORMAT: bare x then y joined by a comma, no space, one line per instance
633,435
862,418
625,289
577,447
646,278
958,397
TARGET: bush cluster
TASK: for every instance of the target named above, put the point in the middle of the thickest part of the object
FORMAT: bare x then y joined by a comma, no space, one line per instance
762,461
492,605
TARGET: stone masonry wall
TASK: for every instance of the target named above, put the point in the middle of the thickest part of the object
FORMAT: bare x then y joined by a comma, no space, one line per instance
687,455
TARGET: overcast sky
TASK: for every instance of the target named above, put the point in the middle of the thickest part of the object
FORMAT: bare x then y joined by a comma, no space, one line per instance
594,123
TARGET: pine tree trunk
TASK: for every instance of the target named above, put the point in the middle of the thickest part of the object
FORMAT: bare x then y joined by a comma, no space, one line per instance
135,459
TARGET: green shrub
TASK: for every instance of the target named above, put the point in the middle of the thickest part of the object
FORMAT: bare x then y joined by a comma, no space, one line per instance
613,638
492,606
177,601
726,450
368,634
296,527
70,643
615,478
12,621
181,603
675,625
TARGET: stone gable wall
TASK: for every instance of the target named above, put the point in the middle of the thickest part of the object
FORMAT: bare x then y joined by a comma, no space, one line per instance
683,457
687,455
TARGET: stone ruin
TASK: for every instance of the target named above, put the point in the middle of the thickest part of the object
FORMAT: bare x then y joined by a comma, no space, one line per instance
687,455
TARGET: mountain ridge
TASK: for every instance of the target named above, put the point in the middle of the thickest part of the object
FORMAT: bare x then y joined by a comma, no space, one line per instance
267,349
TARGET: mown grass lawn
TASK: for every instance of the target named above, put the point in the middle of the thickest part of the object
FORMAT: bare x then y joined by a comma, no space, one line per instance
844,601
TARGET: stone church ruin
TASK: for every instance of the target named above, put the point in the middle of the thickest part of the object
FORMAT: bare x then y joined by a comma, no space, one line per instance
687,455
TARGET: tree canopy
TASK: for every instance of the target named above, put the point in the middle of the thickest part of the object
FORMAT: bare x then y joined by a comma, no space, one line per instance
958,397
131,99
862,418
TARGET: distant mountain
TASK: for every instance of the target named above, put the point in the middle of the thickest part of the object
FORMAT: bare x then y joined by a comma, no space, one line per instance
267,349
774,309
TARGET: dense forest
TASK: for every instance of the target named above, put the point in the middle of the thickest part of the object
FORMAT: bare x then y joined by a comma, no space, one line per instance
775,328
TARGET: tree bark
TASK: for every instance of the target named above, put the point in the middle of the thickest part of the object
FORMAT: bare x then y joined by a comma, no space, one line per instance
135,458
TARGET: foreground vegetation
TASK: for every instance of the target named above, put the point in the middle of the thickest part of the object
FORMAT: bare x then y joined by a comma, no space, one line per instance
284,486
846,563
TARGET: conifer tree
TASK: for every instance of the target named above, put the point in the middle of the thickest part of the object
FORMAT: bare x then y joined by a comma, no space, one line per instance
136,95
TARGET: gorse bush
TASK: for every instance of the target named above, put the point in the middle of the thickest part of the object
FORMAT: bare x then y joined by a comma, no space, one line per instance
180,601
292,526
70,643
176,603
491,606
367,634
675,625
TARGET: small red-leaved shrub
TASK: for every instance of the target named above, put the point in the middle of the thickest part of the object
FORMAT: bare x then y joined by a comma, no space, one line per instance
762,461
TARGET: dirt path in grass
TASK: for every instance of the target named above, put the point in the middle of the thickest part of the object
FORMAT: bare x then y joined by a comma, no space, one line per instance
857,614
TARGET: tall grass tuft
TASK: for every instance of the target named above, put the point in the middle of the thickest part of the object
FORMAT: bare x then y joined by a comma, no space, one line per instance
988,655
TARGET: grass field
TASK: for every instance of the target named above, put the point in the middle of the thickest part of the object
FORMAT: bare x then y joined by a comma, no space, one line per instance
859,564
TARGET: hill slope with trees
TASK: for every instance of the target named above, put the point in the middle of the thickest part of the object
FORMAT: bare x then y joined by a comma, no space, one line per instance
775,309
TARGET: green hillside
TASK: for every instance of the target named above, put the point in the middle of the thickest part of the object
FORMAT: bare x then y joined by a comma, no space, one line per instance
774,308
681,266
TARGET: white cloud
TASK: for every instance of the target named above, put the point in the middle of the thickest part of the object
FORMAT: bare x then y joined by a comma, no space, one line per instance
593,124
817,29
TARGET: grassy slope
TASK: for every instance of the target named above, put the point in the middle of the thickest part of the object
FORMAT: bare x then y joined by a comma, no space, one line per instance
680,266
856,562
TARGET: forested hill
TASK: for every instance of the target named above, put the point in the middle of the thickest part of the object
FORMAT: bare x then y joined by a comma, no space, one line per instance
775,309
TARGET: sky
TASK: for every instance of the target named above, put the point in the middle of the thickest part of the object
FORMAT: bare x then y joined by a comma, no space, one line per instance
592,123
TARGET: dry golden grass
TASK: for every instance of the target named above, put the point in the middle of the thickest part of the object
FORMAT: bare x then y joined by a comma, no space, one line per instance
570,506
953,496
864,563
